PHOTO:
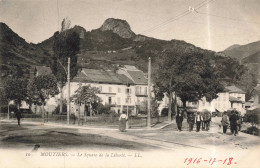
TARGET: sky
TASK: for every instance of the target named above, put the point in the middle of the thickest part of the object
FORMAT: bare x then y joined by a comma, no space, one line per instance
213,24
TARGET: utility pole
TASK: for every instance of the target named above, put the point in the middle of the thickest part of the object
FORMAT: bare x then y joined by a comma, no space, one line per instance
68,96
149,95
127,113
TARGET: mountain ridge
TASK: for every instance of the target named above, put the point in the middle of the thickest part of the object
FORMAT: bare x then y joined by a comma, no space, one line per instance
242,51
103,48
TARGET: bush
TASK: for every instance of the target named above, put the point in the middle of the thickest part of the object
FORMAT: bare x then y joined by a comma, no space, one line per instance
12,107
57,109
252,118
103,109
164,112
253,131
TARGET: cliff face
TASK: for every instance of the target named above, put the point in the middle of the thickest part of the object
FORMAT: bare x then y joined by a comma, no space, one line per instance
118,26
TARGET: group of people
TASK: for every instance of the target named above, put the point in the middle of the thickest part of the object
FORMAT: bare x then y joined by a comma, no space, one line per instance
202,120
234,121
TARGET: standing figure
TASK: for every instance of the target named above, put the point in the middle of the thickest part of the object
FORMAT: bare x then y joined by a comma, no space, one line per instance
122,122
233,122
190,120
224,122
203,122
198,120
179,119
206,120
18,116
239,121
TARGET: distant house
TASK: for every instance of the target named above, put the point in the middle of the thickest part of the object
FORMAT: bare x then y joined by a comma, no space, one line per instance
255,97
42,70
249,103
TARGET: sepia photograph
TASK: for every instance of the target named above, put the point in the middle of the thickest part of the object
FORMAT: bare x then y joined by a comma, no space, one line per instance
129,83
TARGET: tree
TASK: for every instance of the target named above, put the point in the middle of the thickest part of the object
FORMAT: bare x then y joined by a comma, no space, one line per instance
189,74
154,107
40,89
15,90
86,94
66,45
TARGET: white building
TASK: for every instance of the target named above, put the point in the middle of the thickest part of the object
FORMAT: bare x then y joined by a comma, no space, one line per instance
123,90
140,84
254,102
231,98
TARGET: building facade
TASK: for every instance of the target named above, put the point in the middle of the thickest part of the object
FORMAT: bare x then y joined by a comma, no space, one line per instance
123,90
231,98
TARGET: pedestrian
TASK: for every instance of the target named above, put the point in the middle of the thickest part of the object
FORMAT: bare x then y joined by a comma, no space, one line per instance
122,122
18,116
224,122
239,121
203,122
179,119
198,120
190,120
207,120
233,122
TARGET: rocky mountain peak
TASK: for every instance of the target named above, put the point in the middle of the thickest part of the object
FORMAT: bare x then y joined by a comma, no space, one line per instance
118,26
7,36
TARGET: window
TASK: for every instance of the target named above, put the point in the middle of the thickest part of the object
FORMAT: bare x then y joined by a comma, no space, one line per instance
145,90
119,90
128,100
128,91
100,88
118,100
109,100
110,89
137,89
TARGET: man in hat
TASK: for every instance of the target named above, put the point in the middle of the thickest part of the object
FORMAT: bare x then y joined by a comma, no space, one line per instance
179,119
233,122
18,116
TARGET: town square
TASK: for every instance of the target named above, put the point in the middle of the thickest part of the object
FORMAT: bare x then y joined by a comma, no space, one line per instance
128,83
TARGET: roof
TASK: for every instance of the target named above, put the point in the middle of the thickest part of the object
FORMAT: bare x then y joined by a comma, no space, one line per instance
257,89
138,77
234,89
248,104
234,99
130,67
43,70
101,76
251,100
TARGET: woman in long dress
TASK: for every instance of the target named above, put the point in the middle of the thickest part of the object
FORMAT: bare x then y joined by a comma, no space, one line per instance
122,122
